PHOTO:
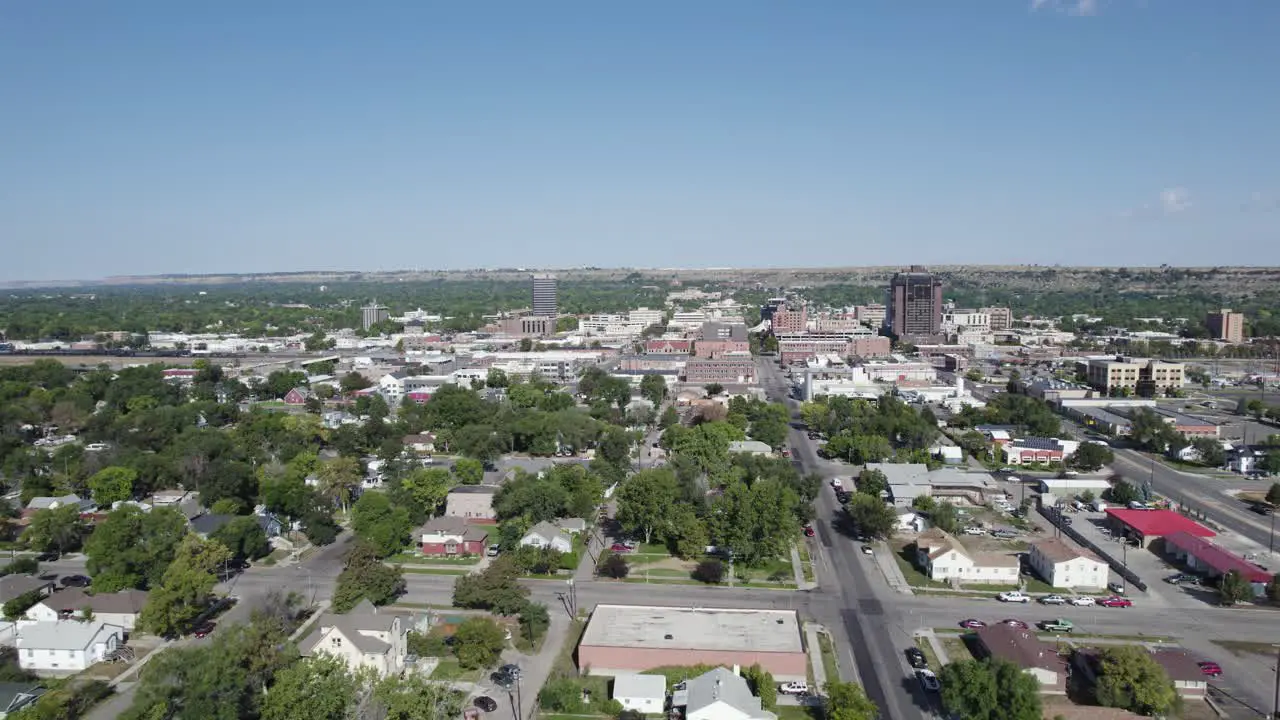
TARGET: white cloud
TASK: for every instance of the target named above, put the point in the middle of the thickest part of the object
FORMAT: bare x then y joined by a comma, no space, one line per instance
1079,8
1174,200
1262,201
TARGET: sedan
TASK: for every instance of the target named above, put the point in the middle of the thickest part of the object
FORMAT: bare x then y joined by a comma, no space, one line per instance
1053,600
1212,669
866,550
75,581
1014,623
916,657
1082,600
972,624
808,531
619,548
204,629
1115,601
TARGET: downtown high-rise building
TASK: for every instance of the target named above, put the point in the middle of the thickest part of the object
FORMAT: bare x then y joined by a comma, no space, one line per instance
373,314
915,305
544,295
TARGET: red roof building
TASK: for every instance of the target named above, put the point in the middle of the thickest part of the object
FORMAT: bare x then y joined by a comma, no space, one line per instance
1146,525
1200,554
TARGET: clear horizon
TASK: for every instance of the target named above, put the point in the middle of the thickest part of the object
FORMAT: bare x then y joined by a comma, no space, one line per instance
147,138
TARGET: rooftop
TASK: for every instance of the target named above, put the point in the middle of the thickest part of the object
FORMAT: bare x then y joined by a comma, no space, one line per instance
1058,550
1020,647
474,489
685,628
1038,443
68,635
1154,523
1179,665
640,686
75,599
1216,557
11,586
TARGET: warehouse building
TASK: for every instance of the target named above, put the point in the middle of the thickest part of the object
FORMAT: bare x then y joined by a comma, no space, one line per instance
626,639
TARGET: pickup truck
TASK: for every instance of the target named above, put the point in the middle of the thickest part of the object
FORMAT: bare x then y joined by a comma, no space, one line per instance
1058,625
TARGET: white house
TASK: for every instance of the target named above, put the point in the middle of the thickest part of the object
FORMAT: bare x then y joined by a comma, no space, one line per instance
720,694
546,535
66,647
751,447
943,558
119,608
363,638
910,521
1065,566
642,693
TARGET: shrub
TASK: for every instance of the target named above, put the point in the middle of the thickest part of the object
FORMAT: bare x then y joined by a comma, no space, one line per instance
615,566
710,571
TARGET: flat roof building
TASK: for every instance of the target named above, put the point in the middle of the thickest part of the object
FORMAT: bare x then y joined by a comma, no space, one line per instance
626,639
1146,525
1226,325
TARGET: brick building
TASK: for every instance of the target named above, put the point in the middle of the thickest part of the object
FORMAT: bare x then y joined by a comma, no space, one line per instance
724,371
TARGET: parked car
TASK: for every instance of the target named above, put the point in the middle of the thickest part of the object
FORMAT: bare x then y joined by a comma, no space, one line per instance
928,680
794,688
916,657
75,581
1182,578
1212,669
203,629
620,548
1057,625
1116,588
808,530
972,530
493,551
1053,600
1082,601
510,670
1014,596
1115,601
866,550
972,624
1013,622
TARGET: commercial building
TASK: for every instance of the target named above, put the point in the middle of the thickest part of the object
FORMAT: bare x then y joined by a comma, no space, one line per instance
528,325
701,371
1144,526
668,346
873,316
627,639
1065,566
1001,318
1200,555
915,304
373,314
1037,450
1128,375
788,320
717,339
1226,325
544,295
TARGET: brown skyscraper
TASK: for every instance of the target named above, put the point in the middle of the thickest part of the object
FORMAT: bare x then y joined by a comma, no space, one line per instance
1226,325
915,305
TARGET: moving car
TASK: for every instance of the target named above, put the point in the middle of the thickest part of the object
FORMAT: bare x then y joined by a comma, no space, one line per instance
1212,669
1053,600
1014,596
510,670
1115,601
928,680
916,657
973,530
972,624
1182,578
1082,600
1013,622
1056,625
794,688
866,550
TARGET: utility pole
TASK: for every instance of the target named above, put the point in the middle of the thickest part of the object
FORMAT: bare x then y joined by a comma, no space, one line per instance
1275,701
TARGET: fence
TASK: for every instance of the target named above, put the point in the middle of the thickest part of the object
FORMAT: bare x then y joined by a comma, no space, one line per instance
1057,519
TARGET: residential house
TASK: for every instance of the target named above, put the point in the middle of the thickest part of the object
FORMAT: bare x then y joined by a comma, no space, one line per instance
297,396
1184,670
14,586
450,536
943,558
474,502
546,535
645,694
573,526
207,524
37,504
120,609
15,696
719,694
362,638
1063,565
1024,649
185,501
750,447
66,647
422,443
910,521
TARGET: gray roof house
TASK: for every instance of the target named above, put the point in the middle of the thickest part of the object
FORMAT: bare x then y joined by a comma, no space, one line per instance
50,503
12,586
363,638
471,501
753,447
15,696
546,535
717,694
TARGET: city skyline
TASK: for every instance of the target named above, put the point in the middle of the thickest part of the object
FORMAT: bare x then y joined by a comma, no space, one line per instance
145,138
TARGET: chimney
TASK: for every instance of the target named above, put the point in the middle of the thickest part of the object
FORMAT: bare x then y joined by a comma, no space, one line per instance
737,670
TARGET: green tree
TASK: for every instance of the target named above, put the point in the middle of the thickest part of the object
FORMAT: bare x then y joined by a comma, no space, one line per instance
1090,457
713,389
55,530
654,389
762,686
1273,494
646,500
534,621
316,688
112,484
969,690
670,416
380,523
710,571
478,642
872,482
945,517
132,548
1122,492
468,471
1017,692
687,536
1130,678
496,588
496,378
338,480
615,566
244,537
414,697
848,701
429,488
1210,451
184,591
872,516
1233,588
365,577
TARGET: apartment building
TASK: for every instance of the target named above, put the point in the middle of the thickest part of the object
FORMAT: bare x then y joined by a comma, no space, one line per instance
544,292
1226,325
1140,376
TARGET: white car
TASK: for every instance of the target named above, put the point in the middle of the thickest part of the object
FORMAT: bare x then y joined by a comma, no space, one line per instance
1014,596
794,688
974,531
1053,600
928,680
1082,600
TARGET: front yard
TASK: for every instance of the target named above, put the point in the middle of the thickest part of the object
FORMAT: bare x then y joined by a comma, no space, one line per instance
651,565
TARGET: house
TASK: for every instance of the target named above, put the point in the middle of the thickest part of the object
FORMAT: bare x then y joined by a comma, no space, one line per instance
451,536
942,557
297,396
185,501
1024,649
949,454
751,447
646,694
208,523
363,638
52,503
546,535
14,586
15,696
720,694
911,521
1184,670
1065,566
422,443
474,502
573,526
66,647
120,609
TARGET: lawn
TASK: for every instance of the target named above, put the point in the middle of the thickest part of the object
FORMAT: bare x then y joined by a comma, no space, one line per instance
911,573
797,712
830,664
1245,648
416,557
957,649
450,670
927,648
433,570
806,561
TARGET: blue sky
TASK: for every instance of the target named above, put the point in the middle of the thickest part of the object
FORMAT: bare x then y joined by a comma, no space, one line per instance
141,137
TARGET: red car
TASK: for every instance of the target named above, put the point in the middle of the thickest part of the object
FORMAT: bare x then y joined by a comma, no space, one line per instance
620,548
786,452
1014,623
1212,669
204,629
808,531
1115,601
972,624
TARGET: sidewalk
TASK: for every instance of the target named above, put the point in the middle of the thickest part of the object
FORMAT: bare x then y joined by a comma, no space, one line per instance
889,567
797,567
815,657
